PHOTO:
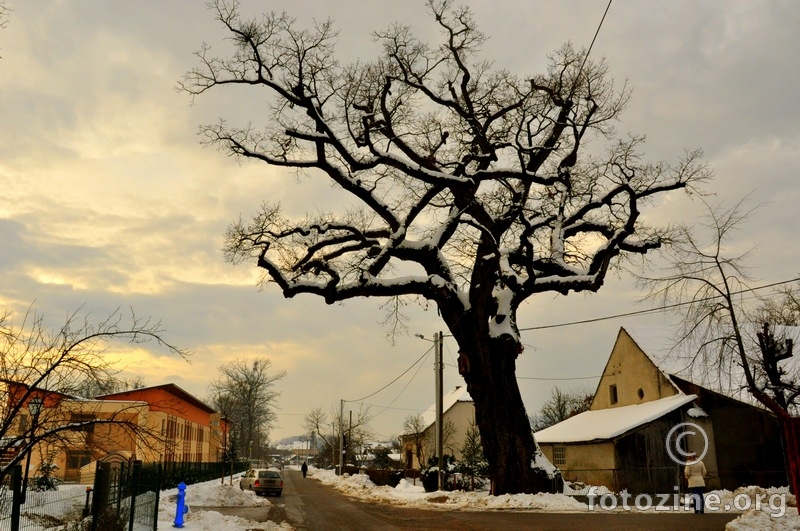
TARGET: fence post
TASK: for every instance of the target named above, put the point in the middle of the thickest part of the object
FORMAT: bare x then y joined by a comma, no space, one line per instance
16,496
122,482
85,511
158,496
100,495
136,471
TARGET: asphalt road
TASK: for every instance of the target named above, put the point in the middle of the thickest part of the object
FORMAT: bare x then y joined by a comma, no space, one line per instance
307,504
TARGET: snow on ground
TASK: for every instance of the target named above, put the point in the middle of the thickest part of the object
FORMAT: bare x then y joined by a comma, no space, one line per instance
213,494
409,495
214,521
762,520
216,494
44,509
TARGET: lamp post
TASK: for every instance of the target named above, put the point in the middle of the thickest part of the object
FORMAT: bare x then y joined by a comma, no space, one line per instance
34,408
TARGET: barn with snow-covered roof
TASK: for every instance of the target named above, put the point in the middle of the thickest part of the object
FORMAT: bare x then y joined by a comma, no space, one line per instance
645,391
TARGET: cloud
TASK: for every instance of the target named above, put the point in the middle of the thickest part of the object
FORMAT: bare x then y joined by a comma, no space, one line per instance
109,201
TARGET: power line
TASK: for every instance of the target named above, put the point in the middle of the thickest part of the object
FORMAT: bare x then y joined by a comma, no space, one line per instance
586,57
395,408
403,390
654,310
558,325
393,381
558,379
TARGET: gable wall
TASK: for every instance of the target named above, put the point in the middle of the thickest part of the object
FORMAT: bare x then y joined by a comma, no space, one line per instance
631,371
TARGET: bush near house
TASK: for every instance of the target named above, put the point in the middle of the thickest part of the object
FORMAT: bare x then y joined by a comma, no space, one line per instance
384,476
429,474
46,479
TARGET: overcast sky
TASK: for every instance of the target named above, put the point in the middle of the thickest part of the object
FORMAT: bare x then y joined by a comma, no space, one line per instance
107,199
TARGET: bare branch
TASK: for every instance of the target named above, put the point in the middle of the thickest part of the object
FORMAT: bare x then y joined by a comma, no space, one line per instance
245,394
471,187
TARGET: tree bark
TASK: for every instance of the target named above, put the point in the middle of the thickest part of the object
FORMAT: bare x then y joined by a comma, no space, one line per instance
791,435
500,415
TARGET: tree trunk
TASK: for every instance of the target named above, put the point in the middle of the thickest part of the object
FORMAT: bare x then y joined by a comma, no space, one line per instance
791,434
506,436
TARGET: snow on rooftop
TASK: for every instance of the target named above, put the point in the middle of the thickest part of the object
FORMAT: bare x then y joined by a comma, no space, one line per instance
696,412
459,394
610,423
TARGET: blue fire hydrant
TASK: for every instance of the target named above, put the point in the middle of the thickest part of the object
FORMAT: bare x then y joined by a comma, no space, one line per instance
180,510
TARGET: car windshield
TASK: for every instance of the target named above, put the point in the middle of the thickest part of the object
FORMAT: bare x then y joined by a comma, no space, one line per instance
268,474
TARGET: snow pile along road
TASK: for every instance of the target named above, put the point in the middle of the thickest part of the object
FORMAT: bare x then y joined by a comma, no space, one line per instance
409,495
214,494
406,494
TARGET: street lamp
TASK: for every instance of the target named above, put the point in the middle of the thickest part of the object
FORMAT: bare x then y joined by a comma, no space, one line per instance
34,408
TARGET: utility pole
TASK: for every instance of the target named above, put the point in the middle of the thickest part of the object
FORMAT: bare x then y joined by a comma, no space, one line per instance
341,437
349,433
438,339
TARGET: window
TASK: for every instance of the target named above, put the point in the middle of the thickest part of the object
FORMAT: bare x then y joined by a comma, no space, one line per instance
612,391
78,459
172,428
640,392
23,423
559,455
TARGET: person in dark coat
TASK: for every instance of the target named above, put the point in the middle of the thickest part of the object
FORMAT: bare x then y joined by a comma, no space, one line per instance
304,468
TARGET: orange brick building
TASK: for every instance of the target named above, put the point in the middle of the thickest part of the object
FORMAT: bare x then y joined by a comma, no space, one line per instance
163,423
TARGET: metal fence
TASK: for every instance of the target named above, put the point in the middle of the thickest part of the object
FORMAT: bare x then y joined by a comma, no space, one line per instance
123,496
120,494
39,510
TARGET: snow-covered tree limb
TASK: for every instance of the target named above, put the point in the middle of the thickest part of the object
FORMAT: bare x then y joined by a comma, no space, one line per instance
473,187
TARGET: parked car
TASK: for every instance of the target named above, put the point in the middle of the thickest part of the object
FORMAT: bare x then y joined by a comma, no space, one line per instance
262,481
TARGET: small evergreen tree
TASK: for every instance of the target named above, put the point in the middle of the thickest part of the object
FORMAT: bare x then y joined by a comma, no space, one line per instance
45,479
473,463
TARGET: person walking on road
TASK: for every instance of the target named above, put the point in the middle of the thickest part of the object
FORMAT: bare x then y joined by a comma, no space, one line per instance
695,473
304,469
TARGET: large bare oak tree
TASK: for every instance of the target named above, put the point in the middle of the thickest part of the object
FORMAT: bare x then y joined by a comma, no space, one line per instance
475,188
